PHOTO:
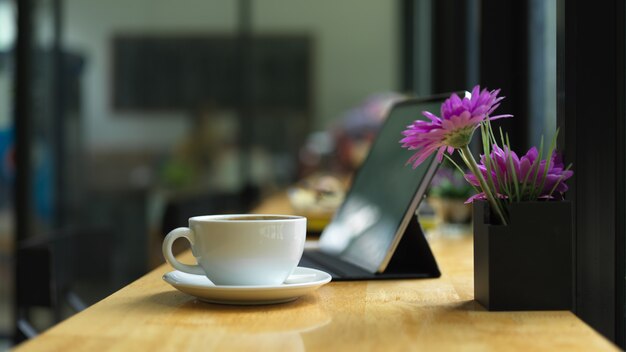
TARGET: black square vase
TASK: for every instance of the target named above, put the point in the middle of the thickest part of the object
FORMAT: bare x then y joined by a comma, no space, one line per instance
526,265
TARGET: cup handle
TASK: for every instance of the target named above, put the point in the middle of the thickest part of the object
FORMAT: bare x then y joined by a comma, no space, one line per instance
169,256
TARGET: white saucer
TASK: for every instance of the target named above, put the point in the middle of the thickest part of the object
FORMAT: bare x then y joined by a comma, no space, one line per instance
301,282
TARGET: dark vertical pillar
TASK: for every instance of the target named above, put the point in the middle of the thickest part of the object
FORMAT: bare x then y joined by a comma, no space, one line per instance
449,60
504,62
57,92
472,39
620,168
591,118
23,141
620,165
407,46
245,54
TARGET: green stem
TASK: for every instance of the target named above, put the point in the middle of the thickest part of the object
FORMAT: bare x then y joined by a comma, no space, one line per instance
471,163
460,170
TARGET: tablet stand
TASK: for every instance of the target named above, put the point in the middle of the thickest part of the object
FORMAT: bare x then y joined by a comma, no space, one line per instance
412,257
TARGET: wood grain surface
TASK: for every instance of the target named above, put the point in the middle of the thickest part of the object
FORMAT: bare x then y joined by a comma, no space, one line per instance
399,315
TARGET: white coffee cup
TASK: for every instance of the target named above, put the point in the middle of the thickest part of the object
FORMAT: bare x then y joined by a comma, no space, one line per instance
250,249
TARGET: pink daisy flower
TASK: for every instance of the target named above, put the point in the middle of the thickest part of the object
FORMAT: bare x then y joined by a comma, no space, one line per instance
454,129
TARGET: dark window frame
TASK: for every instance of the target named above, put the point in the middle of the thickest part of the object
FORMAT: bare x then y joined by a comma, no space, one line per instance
590,115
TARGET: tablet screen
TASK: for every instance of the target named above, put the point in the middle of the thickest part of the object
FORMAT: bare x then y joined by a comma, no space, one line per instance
384,194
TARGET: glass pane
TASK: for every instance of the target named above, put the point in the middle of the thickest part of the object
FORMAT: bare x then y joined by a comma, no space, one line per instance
542,69
148,112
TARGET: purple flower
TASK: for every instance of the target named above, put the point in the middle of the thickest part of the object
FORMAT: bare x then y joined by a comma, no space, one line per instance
454,129
528,181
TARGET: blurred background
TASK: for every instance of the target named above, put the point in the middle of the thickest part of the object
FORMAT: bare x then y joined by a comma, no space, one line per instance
138,114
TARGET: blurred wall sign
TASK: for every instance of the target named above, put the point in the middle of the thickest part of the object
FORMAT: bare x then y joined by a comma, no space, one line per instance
176,72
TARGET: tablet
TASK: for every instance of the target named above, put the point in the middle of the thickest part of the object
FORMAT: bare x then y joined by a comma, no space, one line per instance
368,227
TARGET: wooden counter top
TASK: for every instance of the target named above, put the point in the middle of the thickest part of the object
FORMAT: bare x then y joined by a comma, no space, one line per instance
399,315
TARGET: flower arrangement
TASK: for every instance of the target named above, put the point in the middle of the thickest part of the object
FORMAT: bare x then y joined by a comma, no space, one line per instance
501,176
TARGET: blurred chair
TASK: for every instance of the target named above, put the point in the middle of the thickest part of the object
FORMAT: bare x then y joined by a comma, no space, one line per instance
48,267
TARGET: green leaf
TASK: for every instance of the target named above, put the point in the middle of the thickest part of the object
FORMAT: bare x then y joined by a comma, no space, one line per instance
533,166
505,178
533,190
468,158
454,163
490,131
512,168
487,153
460,170
548,161
501,136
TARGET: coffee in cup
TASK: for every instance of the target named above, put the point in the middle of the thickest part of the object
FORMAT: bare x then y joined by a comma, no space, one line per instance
241,249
